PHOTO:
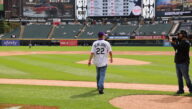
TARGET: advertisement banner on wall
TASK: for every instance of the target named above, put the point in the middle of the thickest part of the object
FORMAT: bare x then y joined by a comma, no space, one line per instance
173,7
119,37
68,42
149,37
10,42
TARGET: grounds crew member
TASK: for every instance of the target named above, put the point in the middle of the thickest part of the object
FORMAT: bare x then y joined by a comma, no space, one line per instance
182,60
100,51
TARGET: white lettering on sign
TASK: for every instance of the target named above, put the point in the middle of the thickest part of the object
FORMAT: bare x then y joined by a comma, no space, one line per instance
59,1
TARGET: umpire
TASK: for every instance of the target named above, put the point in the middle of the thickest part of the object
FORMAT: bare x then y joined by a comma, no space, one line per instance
182,60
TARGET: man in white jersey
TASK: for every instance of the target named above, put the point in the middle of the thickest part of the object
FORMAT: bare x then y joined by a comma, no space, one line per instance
100,51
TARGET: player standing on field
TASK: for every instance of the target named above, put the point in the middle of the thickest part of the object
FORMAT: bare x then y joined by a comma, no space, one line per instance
100,51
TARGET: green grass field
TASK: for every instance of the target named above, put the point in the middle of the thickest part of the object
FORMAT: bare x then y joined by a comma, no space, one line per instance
80,48
64,67
63,97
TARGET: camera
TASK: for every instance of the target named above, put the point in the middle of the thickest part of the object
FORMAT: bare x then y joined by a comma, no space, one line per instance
174,39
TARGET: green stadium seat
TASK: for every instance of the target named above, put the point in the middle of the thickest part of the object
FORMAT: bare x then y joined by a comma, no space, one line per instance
13,32
68,31
124,30
37,31
91,31
155,29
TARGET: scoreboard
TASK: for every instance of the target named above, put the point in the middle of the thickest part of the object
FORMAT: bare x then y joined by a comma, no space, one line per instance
114,8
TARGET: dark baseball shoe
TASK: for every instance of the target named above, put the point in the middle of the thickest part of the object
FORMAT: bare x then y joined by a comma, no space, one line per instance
101,92
180,92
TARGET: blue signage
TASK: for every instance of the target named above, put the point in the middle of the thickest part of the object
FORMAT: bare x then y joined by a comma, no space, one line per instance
119,37
10,42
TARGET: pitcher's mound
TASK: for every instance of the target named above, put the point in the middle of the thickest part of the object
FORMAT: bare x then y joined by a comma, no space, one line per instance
152,102
121,61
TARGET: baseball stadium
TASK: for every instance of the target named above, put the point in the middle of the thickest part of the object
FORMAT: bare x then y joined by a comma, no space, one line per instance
45,47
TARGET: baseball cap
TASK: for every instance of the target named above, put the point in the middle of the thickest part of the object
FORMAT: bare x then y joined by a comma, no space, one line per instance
183,32
101,34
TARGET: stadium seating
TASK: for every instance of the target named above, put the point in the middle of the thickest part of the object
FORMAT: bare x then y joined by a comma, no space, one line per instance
123,30
37,31
68,31
91,31
155,29
13,32
79,31
186,26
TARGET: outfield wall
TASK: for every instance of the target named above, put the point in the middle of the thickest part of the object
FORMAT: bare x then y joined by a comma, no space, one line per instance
114,40
72,42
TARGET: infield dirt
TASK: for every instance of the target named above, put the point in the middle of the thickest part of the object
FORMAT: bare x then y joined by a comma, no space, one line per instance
121,61
152,102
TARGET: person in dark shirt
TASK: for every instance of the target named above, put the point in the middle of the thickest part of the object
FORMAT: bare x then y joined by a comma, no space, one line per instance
182,60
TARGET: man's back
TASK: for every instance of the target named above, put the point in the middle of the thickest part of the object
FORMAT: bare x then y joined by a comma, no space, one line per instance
101,48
